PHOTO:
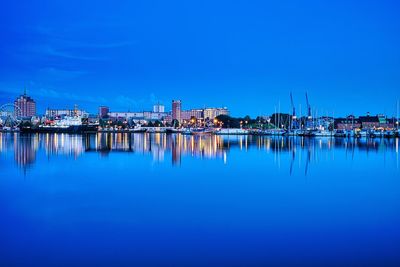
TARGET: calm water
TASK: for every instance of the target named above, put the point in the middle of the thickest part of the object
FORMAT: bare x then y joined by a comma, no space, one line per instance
172,200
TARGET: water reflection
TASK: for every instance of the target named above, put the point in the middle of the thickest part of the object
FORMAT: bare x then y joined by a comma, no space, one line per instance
163,146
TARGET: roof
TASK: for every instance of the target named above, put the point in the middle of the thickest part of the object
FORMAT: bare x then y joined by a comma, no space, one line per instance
369,119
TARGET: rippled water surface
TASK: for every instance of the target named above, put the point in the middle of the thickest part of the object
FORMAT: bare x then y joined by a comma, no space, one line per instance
174,200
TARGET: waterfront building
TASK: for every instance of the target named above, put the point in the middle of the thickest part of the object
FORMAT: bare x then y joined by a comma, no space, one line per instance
158,108
369,122
188,114
212,113
25,106
176,110
126,115
51,113
103,111
348,123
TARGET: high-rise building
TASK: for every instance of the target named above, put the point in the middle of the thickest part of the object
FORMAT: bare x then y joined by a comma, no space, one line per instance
158,108
25,106
103,111
176,110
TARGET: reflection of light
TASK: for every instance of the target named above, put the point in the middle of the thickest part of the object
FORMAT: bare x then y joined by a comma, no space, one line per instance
224,157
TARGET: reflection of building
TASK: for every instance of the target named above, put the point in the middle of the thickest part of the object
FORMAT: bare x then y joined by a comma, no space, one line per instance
25,150
176,110
25,106
103,111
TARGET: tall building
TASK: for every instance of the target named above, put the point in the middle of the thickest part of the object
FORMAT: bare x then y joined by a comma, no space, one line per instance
103,111
25,106
158,108
176,110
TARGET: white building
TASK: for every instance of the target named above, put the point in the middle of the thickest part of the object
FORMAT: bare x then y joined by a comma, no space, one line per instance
65,112
158,108
211,113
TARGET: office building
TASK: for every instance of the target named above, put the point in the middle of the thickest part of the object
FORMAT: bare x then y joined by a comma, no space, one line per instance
176,110
25,106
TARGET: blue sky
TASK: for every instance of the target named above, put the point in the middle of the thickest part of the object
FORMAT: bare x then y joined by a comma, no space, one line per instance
246,55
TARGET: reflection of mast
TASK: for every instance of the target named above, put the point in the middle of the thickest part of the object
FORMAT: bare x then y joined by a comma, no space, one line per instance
293,157
308,157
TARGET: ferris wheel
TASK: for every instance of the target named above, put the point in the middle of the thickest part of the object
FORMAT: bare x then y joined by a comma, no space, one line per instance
9,115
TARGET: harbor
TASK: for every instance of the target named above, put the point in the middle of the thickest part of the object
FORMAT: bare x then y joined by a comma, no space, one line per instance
21,117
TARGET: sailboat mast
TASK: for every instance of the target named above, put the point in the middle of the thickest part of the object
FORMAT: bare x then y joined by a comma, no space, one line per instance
397,121
279,114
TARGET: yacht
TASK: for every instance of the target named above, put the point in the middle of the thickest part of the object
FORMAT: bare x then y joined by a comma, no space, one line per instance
340,133
68,124
232,131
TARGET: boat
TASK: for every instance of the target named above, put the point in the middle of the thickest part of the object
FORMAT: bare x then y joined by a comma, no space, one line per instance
275,132
201,131
340,133
353,133
307,133
296,132
156,129
322,133
69,124
138,129
232,131
375,134
389,134
172,130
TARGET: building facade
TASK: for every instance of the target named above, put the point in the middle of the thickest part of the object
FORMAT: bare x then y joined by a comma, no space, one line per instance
188,114
348,123
212,113
51,113
103,111
158,108
176,110
25,106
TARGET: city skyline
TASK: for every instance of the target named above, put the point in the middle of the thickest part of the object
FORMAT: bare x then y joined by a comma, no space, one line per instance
131,55
157,106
